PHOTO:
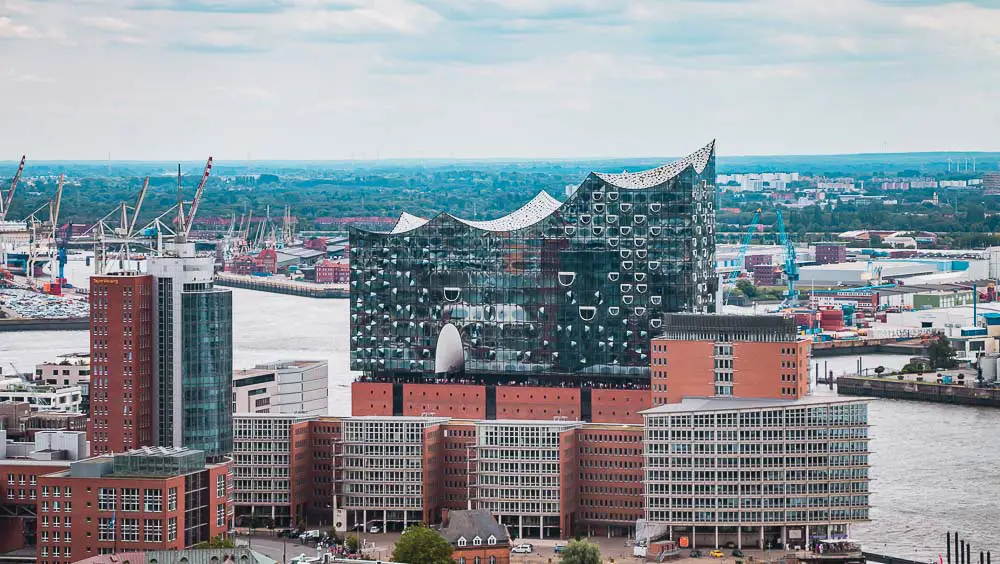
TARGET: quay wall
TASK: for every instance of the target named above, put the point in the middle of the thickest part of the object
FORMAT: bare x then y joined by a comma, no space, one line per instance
917,391
31,324
289,287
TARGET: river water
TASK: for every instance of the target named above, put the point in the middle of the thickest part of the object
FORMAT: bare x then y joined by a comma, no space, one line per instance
935,467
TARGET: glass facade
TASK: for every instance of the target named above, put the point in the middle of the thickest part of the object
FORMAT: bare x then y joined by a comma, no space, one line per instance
165,360
207,370
564,289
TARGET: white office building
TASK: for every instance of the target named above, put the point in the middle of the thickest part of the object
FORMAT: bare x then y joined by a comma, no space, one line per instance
288,386
757,472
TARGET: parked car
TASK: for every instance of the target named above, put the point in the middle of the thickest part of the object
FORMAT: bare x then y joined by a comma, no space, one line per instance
374,529
559,547
730,544
737,553
314,534
716,553
289,533
522,549
695,554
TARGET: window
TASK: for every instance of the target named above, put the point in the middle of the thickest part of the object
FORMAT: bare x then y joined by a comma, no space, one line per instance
130,499
153,530
153,500
220,514
68,537
106,529
68,490
68,521
130,529
172,499
461,559
477,541
172,526
462,541
220,486
68,507
493,560
106,499
476,560
492,540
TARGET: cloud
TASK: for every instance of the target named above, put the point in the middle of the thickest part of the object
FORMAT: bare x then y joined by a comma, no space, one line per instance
368,17
217,6
107,23
9,29
20,78
219,41
251,93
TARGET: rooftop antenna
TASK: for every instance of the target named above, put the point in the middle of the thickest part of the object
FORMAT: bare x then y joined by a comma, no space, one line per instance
109,163
949,164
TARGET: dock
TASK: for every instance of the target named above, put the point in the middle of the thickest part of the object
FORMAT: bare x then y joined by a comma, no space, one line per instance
907,389
282,286
35,324
912,347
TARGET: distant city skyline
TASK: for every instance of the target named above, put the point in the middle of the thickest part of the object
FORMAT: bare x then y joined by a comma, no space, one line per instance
465,79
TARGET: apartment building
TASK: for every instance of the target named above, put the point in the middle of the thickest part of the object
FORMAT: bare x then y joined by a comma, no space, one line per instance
287,386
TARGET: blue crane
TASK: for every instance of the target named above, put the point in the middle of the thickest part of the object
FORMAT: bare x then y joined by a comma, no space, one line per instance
741,256
791,267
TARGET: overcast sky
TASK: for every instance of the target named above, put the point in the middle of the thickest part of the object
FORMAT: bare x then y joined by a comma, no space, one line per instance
320,79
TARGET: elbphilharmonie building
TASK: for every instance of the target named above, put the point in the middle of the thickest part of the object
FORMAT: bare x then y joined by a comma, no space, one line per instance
555,290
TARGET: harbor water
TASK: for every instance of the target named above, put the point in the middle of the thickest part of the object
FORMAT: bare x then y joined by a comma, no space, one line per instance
935,468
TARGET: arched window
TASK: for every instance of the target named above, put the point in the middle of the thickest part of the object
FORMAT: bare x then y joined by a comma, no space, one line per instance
493,560
476,560
461,560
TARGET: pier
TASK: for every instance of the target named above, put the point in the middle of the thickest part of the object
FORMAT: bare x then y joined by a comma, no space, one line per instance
912,347
281,286
892,388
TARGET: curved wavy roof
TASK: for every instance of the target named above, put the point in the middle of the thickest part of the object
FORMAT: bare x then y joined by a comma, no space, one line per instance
543,205
540,207
656,176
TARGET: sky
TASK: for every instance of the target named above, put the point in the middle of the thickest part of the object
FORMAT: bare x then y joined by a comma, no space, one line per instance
335,79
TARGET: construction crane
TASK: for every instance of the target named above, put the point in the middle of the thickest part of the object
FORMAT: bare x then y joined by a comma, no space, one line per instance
193,210
5,201
740,257
791,266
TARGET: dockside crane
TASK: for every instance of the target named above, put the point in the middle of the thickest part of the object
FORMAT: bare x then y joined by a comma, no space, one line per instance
193,210
730,282
6,200
791,266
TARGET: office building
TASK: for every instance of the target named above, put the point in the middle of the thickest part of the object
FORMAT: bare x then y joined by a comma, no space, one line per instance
288,386
21,465
154,498
744,356
66,399
71,370
555,299
121,353
22,424
756,472
192,392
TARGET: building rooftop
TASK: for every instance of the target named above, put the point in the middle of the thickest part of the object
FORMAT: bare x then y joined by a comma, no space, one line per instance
656,176
690,404
240,554
531,422
469,524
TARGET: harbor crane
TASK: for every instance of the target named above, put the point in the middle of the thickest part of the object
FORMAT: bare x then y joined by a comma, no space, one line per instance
198,193
730,282
791,267
6,200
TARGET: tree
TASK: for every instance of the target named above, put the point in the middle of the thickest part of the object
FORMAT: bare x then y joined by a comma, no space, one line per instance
747,287
941,353
352,543
879,370
581,552
421,545
216,542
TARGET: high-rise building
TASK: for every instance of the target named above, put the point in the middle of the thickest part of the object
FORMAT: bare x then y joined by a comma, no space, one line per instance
193,353
557,293
743,356
121,352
